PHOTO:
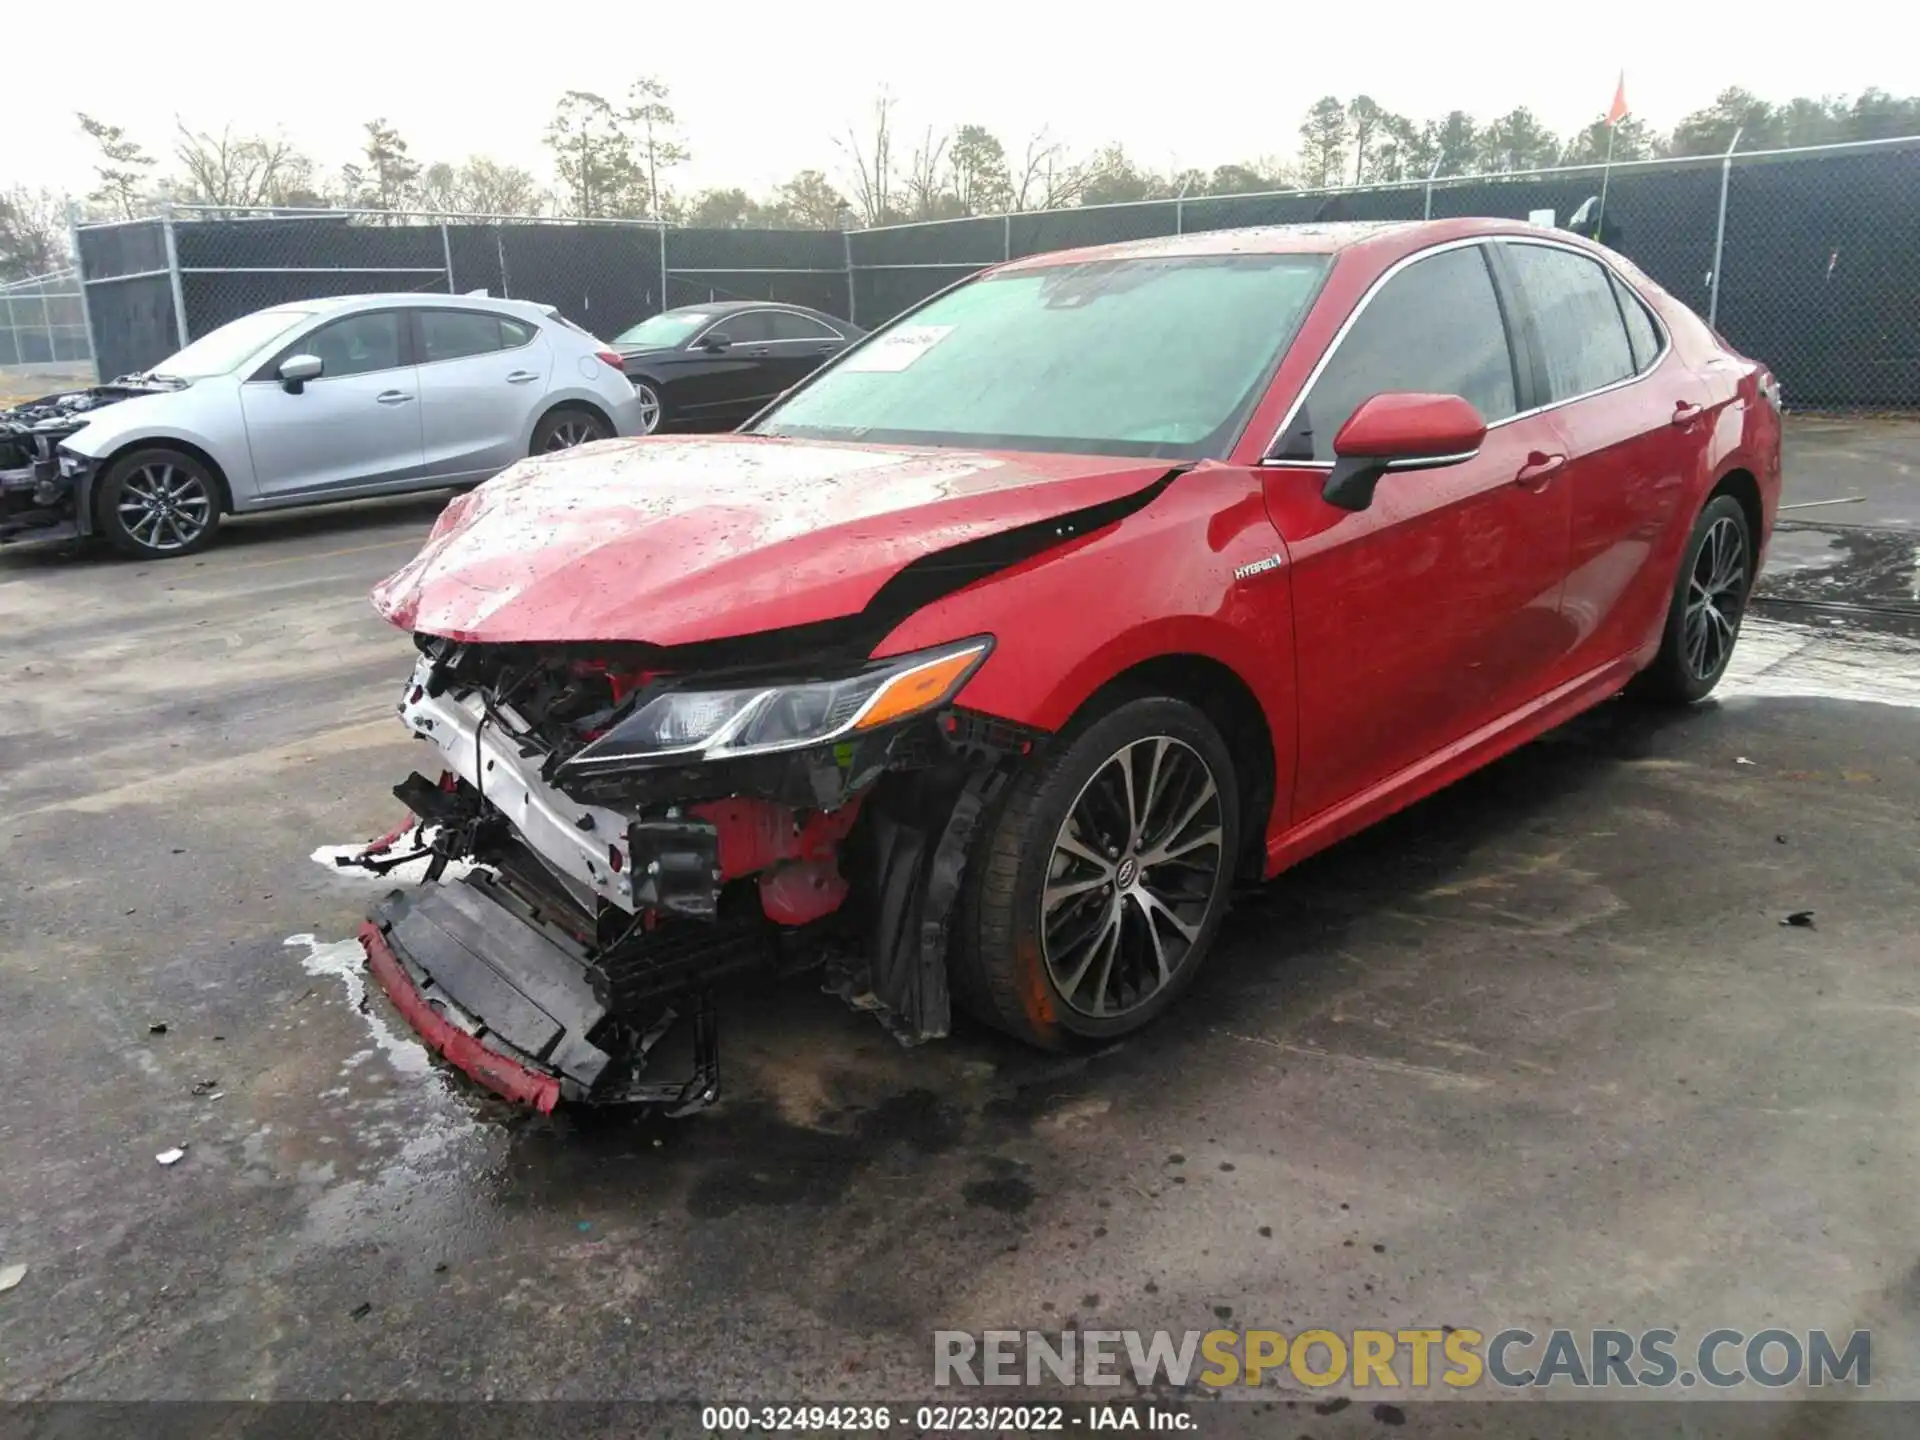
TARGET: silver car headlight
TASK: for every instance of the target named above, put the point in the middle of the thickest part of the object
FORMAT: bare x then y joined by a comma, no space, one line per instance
722,724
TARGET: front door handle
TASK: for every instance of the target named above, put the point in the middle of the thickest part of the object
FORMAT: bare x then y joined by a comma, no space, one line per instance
1685,414
759,350
1539,469
392,397
521,377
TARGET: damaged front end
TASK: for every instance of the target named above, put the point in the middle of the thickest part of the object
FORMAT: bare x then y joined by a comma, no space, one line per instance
44,490
634,827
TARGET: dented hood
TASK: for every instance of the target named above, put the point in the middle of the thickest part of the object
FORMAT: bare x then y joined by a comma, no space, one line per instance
670,542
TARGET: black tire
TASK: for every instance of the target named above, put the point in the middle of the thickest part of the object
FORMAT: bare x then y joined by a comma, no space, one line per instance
1709,600
158,504
566,426
1002,968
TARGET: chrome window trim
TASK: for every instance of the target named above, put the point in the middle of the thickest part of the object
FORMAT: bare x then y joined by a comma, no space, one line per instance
832,335
1406,262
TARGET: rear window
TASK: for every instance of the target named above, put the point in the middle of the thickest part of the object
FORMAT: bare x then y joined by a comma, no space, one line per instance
1160,356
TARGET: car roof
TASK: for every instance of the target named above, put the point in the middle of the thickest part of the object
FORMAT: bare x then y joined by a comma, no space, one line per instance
734,307
431,300
1391,238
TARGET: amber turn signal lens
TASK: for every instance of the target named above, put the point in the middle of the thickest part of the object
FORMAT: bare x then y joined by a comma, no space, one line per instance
914,690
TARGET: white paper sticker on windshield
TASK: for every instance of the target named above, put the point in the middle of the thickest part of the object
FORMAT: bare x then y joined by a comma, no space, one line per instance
898,348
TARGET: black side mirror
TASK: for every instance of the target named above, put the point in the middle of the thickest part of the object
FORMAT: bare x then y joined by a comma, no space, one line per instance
716,341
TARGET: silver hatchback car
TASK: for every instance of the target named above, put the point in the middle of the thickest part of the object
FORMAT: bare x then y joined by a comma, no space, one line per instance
329,400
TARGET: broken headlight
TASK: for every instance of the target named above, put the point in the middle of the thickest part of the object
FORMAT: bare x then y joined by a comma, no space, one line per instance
721,724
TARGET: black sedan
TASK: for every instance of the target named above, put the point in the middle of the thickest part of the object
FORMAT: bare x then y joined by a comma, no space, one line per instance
710,367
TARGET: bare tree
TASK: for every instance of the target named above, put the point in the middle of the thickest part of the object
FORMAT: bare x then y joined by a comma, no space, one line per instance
926,180
1047,179
124,169
872,177
242,172
33,232
480,186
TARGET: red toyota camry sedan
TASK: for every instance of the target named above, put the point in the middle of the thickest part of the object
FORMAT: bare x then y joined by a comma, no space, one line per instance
977,669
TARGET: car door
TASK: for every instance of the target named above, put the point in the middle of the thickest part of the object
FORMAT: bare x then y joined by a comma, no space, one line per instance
742,377
1632,423
1435,610
483,377
800,346
355,427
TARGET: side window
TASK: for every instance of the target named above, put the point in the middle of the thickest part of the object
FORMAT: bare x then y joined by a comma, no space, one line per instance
1640,331
1434,327
1581,333
789,326
455,334
749,327
514,334
356,345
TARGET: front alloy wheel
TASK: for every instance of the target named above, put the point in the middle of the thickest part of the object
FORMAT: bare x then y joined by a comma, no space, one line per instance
158,504
1133,870
1094,894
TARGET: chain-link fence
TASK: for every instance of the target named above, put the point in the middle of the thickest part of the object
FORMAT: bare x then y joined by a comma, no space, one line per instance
41,322
1809,259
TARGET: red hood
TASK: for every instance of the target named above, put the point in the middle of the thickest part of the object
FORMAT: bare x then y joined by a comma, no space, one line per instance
675,541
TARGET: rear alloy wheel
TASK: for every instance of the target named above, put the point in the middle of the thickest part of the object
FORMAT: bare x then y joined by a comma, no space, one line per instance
651,411
1098,892
564,429
1709,599
157,504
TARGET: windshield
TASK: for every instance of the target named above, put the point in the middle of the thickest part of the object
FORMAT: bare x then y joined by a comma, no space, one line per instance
220,351
1151,357
662,330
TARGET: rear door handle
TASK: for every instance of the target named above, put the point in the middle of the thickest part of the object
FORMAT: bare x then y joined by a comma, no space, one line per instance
1539,469
1685,414
521,377
392,397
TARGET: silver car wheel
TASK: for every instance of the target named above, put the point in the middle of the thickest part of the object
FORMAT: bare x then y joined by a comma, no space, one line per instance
163,506
1716,594
571,430
1134,870
649,401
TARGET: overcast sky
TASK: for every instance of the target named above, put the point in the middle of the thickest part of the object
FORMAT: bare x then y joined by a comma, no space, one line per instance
762,89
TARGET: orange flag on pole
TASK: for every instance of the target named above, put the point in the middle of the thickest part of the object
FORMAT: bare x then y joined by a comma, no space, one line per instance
1617,111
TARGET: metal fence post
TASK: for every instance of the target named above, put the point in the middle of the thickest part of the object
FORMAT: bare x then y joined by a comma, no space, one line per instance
1720,231
663,265
1006,236
1427,212
446,249
846,245
46,324
80,282
500,249
173,274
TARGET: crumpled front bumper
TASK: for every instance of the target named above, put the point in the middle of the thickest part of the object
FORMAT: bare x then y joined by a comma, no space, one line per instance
511,1078
44,501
